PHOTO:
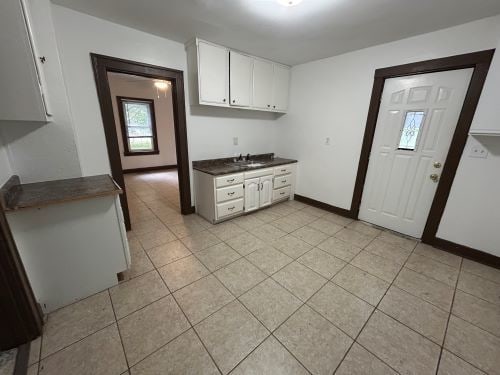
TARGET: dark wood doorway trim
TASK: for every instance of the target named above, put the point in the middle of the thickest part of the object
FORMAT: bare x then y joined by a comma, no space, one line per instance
20,315
480,61
104,64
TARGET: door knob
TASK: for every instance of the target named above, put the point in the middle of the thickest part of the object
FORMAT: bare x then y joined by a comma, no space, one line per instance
434,177
437,164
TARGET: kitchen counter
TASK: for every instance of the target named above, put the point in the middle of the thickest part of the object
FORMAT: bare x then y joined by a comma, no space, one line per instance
16,196
221,166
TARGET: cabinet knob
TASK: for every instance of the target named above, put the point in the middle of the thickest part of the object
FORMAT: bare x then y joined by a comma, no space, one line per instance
224,100
42,59
274,106
234,101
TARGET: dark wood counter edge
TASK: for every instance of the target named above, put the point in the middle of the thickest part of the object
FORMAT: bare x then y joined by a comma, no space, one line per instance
11,190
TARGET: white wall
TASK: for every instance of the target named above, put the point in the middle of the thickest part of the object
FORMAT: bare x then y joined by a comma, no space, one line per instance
44,151
330,98
163,107
5,168
210,131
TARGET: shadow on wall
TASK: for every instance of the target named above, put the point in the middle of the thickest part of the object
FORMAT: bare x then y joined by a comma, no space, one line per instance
11,131
236,113
491,143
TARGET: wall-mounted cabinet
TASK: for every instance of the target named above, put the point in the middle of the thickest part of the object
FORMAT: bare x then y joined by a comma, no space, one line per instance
23,96
222,77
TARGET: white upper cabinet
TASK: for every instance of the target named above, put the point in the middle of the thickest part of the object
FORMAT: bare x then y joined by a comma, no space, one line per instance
213,70
222,77
262,84
281,86
240,79
22,95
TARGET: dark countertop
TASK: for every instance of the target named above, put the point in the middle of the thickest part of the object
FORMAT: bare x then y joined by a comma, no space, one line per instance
16,196
219,167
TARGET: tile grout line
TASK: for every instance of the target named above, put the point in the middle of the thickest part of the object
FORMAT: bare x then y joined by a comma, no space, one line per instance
118,329
296,259
366,322
448,320
191,327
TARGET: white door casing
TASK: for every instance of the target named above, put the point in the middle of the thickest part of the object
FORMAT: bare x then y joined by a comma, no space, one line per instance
399,191
252,194
266,191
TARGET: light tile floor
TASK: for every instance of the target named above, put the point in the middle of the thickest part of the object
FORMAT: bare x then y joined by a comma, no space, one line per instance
291,289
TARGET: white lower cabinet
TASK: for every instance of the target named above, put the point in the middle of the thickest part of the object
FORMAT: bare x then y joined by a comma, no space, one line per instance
258,192
220,198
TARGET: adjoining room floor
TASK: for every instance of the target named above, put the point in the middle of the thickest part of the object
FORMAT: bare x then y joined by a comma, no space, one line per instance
291,289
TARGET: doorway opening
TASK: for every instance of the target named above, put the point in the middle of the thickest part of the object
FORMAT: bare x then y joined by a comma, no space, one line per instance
144,120
479,62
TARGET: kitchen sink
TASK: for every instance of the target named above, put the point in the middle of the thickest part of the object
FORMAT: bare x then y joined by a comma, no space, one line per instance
248,164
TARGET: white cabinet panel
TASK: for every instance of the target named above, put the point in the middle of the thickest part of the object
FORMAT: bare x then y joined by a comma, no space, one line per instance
282,193
283,169
281,83
280,181
227,180
22,97
240,79
266,191
252,199
262,84
230,192
229,208
213,70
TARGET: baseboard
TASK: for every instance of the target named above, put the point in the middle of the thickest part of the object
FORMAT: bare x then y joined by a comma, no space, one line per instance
149,169
466,252
323,206
189,211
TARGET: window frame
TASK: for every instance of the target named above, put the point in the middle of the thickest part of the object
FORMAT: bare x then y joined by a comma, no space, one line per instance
126,149
419,135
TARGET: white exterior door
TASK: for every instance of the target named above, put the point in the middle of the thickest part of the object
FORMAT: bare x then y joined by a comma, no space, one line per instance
416,121
240,79
213,73
266,191
252,194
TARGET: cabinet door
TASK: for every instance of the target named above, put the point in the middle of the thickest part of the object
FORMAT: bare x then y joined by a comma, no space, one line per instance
213,74
281,83
252,194
22,96
262,84
266,191
240,79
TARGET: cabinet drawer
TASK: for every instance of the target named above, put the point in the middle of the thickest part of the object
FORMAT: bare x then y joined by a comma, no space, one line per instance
282,169
281,193
229,192
232,179
229,208
281,181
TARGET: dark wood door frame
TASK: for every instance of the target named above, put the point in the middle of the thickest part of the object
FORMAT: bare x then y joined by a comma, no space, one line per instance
480,62
104,64
20,315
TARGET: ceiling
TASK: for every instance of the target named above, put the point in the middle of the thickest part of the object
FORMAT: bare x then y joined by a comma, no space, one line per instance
312,30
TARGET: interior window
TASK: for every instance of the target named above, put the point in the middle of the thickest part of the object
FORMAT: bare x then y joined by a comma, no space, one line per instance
411,130
138,126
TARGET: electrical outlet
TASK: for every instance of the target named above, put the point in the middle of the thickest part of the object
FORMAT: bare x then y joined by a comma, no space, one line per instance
478,151
235,141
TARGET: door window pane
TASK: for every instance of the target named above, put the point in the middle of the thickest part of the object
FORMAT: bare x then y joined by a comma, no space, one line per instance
141,144
411,130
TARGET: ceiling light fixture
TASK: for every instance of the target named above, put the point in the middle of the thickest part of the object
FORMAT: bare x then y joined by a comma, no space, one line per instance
289,3
162,85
